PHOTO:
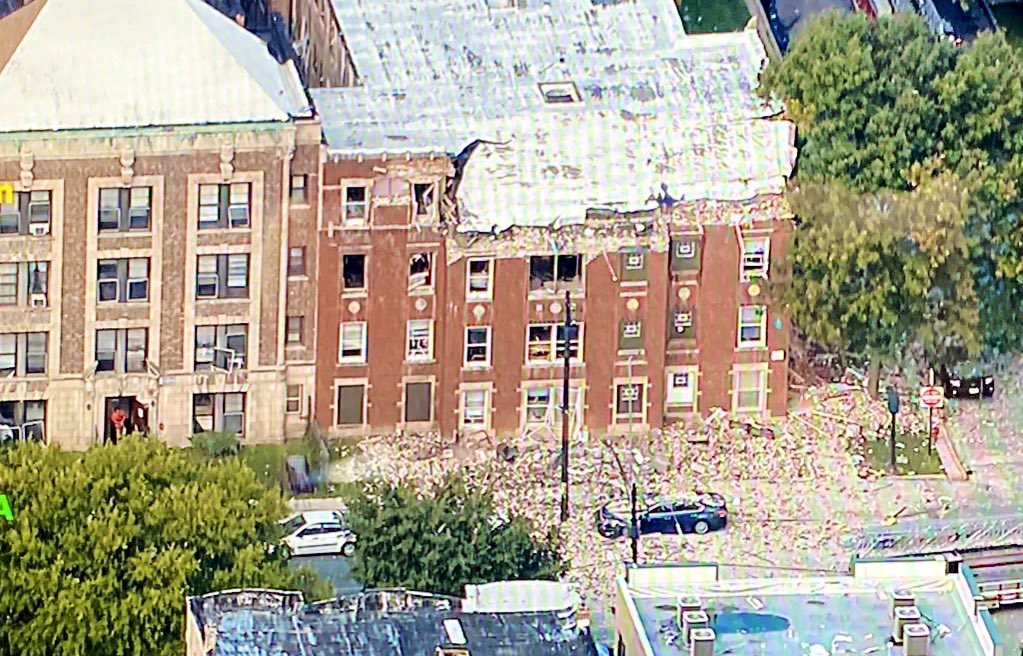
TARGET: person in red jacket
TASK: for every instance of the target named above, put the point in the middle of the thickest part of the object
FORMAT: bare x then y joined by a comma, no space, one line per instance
118,417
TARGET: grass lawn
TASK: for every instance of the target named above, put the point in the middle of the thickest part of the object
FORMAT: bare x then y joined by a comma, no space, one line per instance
267,460
911,455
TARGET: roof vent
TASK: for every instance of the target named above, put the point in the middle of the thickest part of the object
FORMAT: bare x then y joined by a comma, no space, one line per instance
903,616
902,599
691,620
701,642
917,639
560,93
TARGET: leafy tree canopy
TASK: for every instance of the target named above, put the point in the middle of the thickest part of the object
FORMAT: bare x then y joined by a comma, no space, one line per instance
877,273
444,540
106,545
875,102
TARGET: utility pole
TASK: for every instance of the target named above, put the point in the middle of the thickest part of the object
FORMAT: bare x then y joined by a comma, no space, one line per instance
566,341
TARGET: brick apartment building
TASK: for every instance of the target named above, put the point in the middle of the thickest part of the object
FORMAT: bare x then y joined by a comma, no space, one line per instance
159,253
467,189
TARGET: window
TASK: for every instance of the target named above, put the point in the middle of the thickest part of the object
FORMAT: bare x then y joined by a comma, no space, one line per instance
355,209
752,325
419,342
479,279
221,413
542,404
477,346
681,387
418,402
122,350
351,405
294,330
633,266
423,199
222,276
750,390
28,215
125,209
293,402
545,343
685,254
629,401
24,283
22,354
630,336
353,273
681,324
420,271
555,272
352,347
475,407
296,261
222,347
22,420
122,281
299,190
755,257
224,206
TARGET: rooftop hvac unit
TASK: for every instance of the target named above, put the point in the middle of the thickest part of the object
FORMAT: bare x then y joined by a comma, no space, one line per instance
902,599
693,619
701,642
684,605
903,616
917,639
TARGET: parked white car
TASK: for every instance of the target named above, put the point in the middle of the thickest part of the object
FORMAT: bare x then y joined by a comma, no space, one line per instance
318,532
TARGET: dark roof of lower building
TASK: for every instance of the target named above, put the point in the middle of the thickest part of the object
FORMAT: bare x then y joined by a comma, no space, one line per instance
787,17
375,623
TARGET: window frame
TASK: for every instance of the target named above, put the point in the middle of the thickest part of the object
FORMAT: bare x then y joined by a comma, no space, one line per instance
123,280
349,217
692,373
220,412
761,341
406,384
26,280
430,207
221,275
224,338
355,291
463,406
419,354
120,355
428,286
21,354
297,266
487,293
486,345
556,358
632,415
363,408
363,346
556,285
289,333
225,206
21,420
23,208
127,210
747,272
763,388
293,395
302,190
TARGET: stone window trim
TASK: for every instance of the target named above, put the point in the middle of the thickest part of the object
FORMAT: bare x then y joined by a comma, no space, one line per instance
754,255
355,207
404,421
478,353
24,355
419,340
225,206
220,412
692,375
544,344
479,419
751,329
353,339
124,210
122,350
337,410
749,379
294,399
549,413
23,420
479,278
24,284
625,411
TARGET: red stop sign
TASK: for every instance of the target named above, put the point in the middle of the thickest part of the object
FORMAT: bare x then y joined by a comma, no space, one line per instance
932,397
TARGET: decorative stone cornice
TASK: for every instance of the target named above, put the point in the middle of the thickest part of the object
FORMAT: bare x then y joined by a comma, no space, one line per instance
127,166
227,160
26,162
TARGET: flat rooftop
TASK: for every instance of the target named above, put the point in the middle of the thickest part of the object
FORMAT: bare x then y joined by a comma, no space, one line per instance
374,623
781,616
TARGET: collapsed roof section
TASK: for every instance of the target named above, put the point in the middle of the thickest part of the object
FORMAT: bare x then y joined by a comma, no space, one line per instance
569,107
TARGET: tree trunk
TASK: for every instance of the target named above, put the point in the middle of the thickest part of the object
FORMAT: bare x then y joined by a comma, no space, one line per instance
874,376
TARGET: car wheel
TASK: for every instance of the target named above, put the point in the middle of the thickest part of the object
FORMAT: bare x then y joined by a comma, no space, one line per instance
701,527
348,549
611,533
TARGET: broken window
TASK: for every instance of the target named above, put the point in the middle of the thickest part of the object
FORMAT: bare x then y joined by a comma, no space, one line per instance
420,271
356,205
545,343
423,195
353,272
419,343
555,272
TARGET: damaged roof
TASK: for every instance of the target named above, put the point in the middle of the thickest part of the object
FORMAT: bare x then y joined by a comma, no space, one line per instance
601,105
126,63
377,623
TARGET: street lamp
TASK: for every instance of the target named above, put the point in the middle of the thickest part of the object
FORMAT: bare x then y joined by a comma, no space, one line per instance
893,407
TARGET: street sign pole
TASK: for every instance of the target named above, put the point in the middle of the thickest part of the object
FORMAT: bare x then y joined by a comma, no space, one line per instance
930,420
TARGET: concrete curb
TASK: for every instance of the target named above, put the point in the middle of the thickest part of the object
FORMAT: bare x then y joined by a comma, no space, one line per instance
954,469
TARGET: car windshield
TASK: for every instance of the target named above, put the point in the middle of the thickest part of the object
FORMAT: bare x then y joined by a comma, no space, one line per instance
293,524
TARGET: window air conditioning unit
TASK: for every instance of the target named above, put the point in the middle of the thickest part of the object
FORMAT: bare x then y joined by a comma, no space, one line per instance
39,229
110,214
37,300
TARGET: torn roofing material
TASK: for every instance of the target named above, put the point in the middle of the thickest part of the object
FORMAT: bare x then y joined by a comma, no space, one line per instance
597,107
125,63
377,623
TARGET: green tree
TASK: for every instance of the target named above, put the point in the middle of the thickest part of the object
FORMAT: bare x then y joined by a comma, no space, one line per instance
441,541
105,546
876,101
875,274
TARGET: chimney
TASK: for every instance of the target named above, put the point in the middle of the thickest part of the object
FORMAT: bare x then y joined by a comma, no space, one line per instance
917,639
903,616
684,605
701,642
693,619
902,599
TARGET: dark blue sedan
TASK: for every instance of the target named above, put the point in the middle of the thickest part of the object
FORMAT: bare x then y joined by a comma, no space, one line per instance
698,514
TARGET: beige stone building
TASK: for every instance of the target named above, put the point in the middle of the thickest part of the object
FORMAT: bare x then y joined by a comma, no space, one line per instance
157,255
